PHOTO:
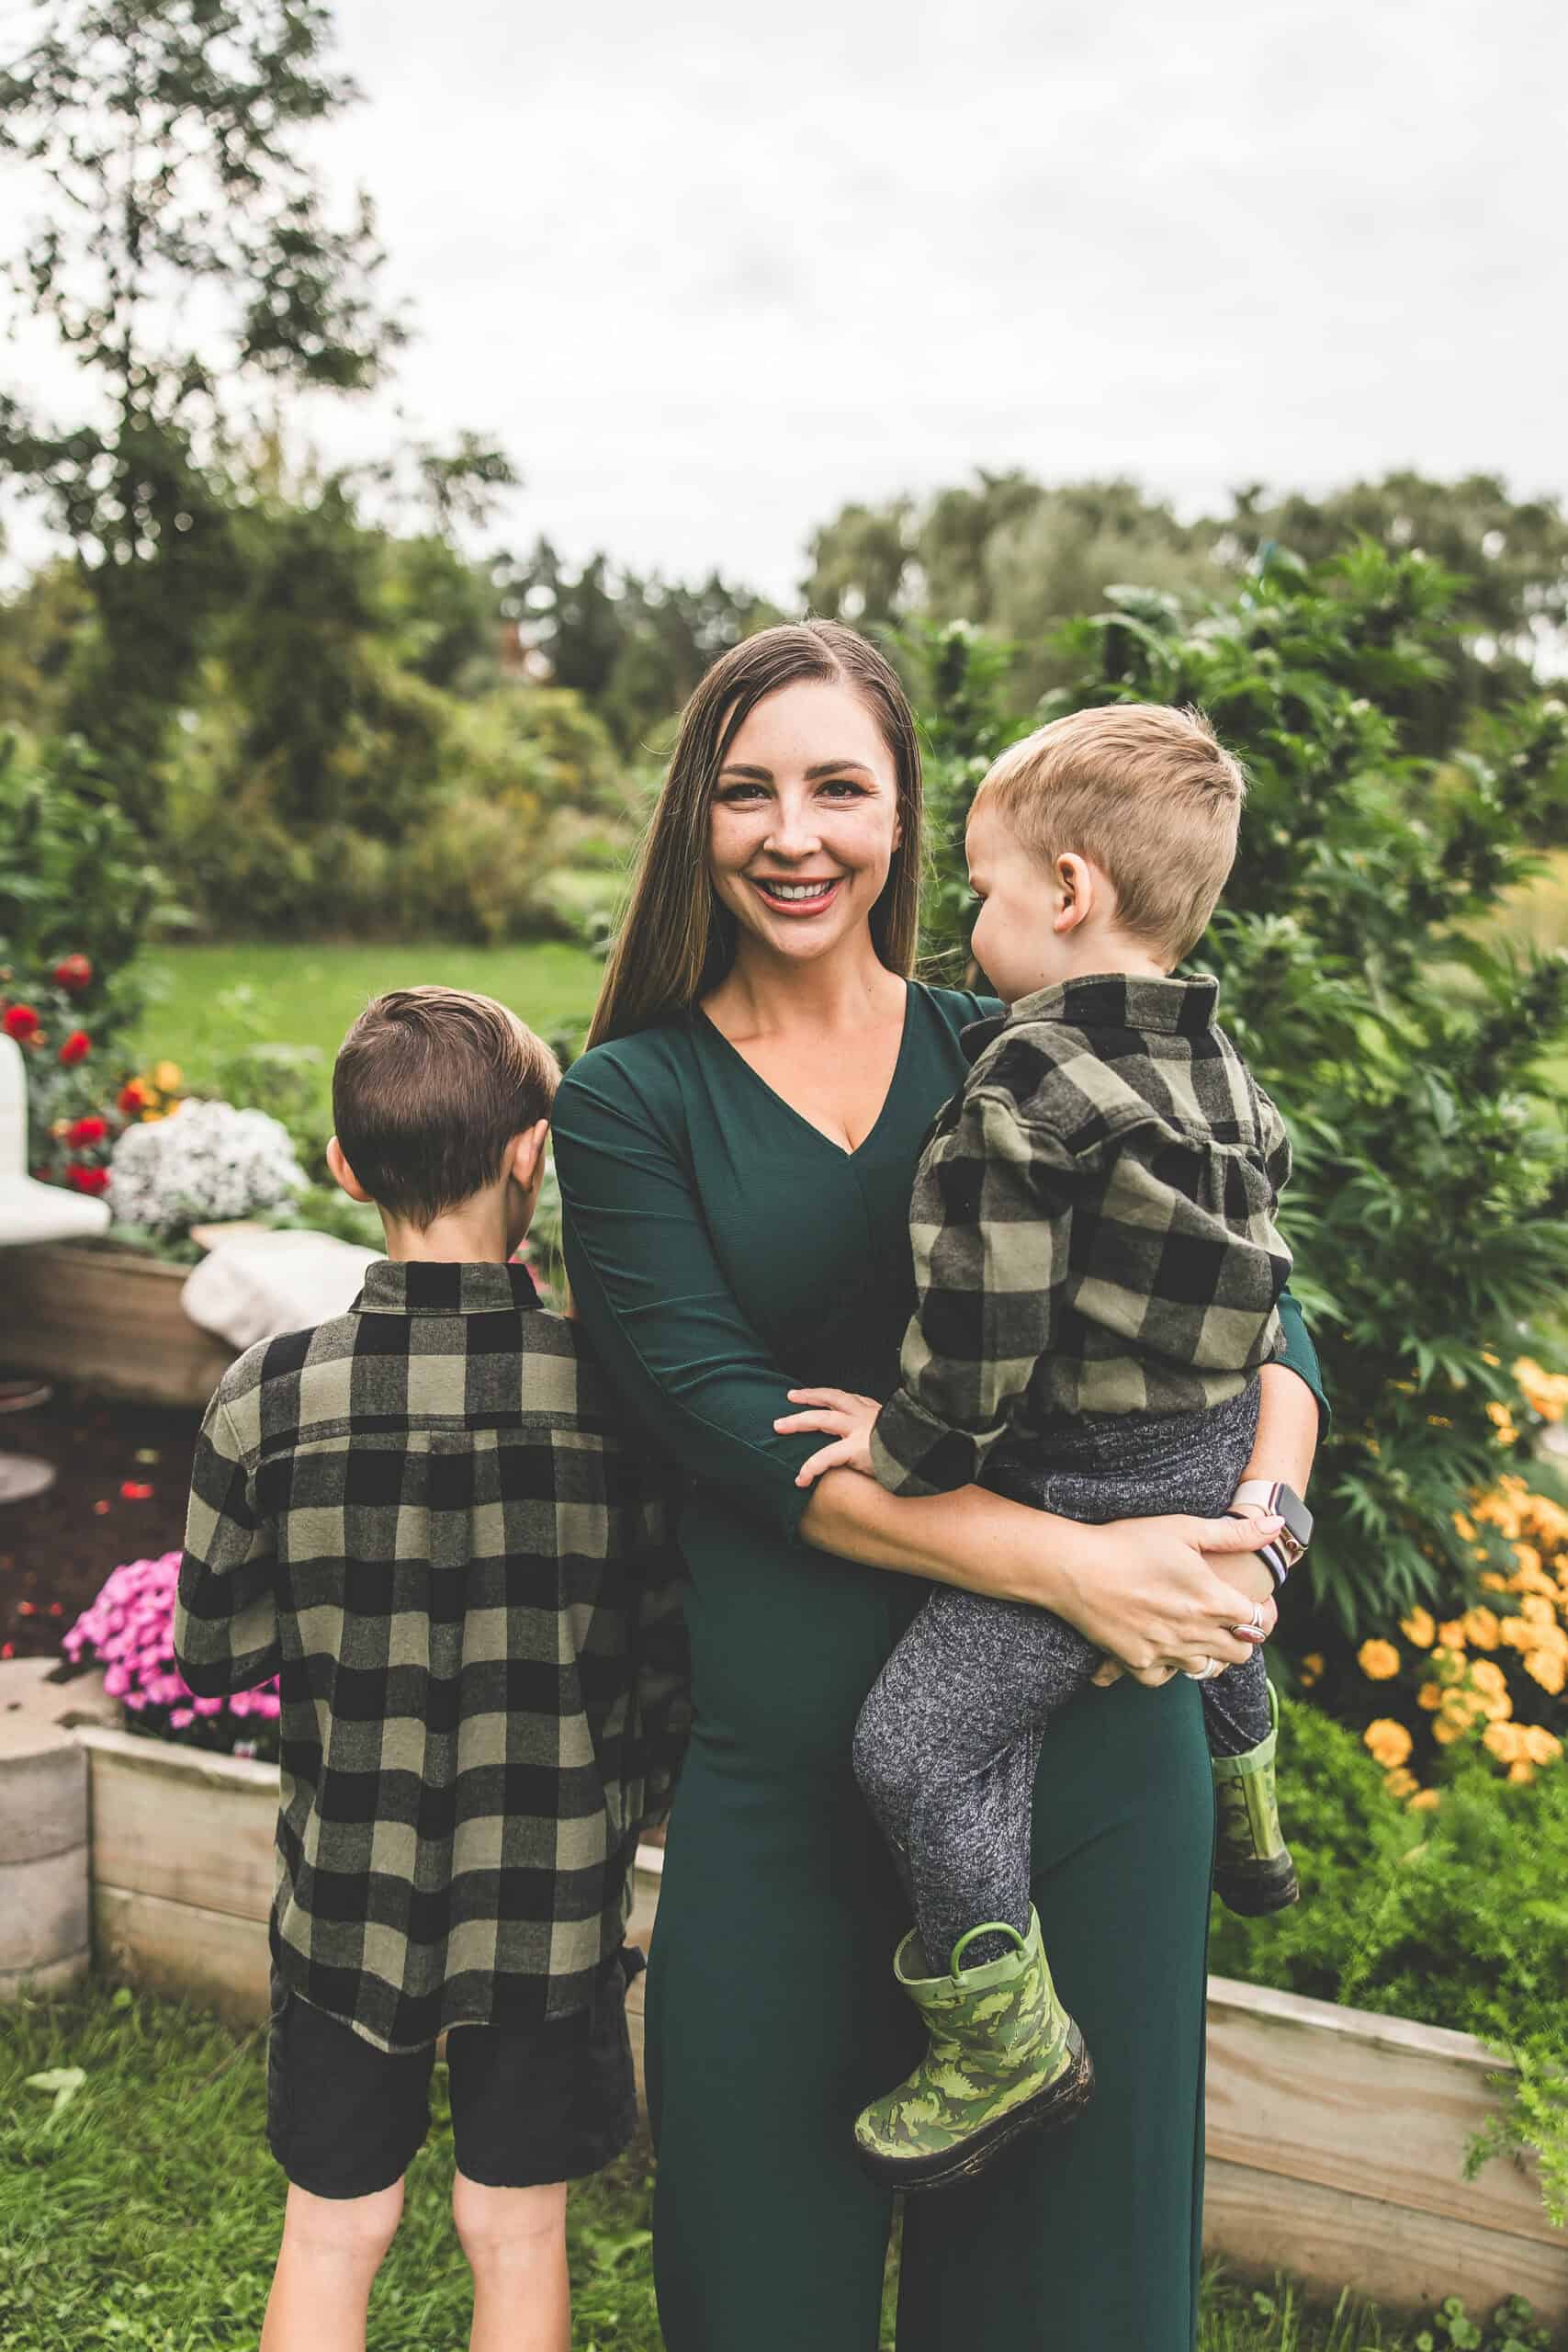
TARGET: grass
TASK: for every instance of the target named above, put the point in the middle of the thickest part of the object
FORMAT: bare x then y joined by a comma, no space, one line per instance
143,2214
209,1002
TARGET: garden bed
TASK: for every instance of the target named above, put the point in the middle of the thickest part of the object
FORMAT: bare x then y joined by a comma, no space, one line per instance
111,1320
1335,2138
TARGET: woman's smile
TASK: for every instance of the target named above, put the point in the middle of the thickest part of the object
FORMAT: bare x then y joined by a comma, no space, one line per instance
796,899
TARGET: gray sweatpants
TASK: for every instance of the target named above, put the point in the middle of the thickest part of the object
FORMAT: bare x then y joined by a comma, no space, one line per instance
948,1741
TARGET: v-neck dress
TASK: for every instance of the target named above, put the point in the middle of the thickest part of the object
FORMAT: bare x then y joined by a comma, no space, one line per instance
721,1249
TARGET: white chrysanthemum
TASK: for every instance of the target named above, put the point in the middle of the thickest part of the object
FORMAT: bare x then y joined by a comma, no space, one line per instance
205,1161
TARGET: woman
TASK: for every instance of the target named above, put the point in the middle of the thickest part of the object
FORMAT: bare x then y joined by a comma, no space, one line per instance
736,1155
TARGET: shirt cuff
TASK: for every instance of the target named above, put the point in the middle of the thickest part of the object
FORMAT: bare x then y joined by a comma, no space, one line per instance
913,1454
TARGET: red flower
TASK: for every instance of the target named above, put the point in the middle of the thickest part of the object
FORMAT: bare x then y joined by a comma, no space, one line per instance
21,1023
75,975
86,1131
132,1097
76,1049
88,1179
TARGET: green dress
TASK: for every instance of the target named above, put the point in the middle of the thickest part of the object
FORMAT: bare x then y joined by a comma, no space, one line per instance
720,1248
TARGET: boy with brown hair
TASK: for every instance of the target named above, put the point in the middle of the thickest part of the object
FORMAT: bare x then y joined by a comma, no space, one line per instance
422,1517
1098,1270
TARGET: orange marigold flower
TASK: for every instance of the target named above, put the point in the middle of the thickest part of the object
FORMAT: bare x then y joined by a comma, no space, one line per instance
1429,1696
1451,1634
1487,1675
1504,1741
1548,1669
1464,1527
1521,1770
1379,1661
1481,1626
1401,1783
1389,1742
1541,1745
1420,1627
1425,1801
1312,1669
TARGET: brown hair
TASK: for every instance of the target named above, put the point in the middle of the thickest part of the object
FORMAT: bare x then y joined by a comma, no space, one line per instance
678,938
429,1088
1148,793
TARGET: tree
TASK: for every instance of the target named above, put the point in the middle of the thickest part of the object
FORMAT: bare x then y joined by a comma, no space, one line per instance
1367,978
186,262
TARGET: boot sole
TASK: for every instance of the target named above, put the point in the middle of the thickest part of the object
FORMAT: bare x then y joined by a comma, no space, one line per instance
1253,1896
1060,2102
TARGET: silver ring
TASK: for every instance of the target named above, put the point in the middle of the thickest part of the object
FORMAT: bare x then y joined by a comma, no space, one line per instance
1211,1666
1253,1629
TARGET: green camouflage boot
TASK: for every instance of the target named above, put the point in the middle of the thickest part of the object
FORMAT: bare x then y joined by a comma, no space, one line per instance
1253,1870
1004,2058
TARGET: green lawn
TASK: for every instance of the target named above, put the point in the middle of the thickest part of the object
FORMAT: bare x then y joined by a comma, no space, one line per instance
142,2215
207,1001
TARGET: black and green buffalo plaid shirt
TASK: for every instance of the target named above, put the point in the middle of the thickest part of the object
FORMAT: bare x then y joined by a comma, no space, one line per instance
422,1517
1093,1229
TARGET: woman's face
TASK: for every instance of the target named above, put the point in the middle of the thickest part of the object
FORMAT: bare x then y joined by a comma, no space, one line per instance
804,820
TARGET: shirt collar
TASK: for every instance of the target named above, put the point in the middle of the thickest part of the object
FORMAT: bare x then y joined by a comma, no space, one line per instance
1109,1001
419,1286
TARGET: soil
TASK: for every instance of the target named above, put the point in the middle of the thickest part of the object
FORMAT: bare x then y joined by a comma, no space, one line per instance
57,1548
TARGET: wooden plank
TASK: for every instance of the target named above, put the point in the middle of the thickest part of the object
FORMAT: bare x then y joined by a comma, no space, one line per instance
1263,2221
186,1827
1378,2107
185,1952
110,1321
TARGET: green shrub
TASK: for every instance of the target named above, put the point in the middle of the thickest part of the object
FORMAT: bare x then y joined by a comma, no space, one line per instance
1456,1916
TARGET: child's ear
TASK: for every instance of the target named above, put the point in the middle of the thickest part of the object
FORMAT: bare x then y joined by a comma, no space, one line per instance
528,1153
343,1174
1075,880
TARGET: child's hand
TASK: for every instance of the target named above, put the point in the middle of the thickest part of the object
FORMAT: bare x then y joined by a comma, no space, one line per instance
847,1416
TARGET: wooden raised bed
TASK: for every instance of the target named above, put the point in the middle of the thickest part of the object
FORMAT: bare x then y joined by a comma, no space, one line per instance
108,1318
1335,2139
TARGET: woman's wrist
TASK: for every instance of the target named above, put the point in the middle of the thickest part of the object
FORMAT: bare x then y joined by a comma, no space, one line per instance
973,1539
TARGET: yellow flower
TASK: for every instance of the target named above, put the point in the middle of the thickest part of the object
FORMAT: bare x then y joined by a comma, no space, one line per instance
1541,1745
1481,1624
1487,1675
1379,1661
1447,1729
1429,1696
1504,1741
1312,1669
1419,1627
1425,1801
1547,1668
1535,1610
1464,1527
1401,1783
1451,1635
1521,1770
1545,1393
167,1076
1389,1742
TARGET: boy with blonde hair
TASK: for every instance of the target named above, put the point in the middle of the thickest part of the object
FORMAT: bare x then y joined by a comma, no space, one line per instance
1098,1270
422,1517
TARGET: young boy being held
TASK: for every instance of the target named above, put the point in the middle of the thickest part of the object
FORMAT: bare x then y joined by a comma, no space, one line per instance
1097,1271
420,1515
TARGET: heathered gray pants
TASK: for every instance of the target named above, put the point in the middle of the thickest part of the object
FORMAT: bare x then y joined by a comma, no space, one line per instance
949,1739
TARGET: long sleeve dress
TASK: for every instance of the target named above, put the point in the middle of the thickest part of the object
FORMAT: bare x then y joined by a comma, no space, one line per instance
721,1249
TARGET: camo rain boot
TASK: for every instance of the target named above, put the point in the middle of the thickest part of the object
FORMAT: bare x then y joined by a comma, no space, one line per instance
1253,1871
1004,2058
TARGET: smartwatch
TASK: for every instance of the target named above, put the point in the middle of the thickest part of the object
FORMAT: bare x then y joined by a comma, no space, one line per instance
1282,1552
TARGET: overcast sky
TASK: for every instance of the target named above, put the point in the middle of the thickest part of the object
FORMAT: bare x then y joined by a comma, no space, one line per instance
709,272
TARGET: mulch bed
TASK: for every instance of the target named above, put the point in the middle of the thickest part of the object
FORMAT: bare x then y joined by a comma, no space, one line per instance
57,1548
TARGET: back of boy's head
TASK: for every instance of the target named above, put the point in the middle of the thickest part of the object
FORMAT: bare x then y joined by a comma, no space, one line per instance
1147,792
429,1088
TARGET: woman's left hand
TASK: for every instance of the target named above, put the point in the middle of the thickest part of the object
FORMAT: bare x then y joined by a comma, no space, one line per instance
847,1417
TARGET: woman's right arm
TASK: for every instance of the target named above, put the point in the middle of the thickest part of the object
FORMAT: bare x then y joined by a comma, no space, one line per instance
658,1307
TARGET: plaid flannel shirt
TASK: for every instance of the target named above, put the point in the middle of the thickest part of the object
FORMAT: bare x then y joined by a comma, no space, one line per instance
1093,1229
422,1516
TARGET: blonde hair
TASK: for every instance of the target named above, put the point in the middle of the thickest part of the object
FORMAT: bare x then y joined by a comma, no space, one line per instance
1148,793
678,939
429,1086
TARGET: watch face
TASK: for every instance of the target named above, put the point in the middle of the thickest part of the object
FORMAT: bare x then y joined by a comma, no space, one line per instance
1295,1514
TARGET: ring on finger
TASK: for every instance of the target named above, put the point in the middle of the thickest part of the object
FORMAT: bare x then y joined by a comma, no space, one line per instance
1253,1629
1206,1672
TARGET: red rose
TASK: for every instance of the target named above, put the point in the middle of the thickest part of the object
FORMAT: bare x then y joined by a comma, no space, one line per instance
21,1023
88,1179
75,975
85,1132
131,1098
76,1049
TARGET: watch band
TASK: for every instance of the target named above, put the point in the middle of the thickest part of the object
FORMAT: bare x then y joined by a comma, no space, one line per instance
1283,1551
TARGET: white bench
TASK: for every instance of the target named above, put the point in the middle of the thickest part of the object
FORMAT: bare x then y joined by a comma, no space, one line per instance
29,1212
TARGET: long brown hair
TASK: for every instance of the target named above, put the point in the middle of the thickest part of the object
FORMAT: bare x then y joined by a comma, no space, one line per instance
678,939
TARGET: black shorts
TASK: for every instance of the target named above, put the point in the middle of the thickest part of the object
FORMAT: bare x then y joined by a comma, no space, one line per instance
535,2103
